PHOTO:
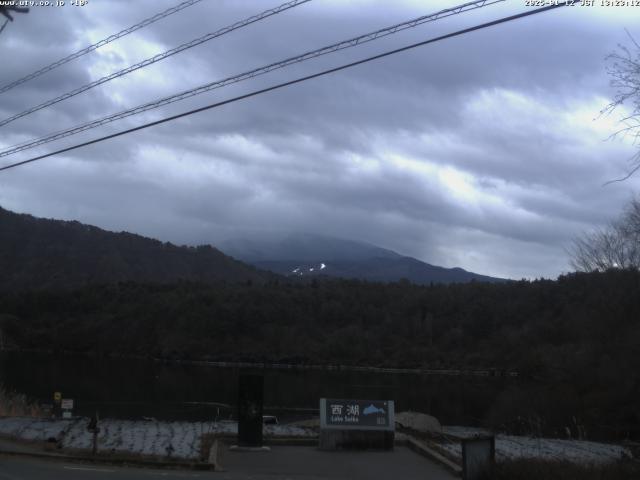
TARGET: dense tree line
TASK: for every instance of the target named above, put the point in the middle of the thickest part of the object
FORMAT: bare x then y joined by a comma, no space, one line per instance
576,339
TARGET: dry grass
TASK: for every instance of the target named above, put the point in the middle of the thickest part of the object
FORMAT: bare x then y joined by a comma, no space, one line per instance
13,404
547,470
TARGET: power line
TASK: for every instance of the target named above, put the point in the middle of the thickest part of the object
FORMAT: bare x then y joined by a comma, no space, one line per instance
262,70
292,82
91,48
158,57
250,74
6,11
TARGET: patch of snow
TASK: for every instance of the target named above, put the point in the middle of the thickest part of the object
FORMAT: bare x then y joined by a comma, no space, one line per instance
174,439
288,431
28,428
322,266
513,447
418,421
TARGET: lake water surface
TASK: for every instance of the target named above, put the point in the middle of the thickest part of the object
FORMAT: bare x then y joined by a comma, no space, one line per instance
133,388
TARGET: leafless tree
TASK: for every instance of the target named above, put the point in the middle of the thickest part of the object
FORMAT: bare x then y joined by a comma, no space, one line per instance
624,70
615,246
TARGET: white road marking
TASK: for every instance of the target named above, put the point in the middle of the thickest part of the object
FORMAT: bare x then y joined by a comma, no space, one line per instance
90,469
172,474
162,474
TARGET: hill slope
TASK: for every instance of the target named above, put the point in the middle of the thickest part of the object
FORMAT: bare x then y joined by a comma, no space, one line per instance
305,255
40,253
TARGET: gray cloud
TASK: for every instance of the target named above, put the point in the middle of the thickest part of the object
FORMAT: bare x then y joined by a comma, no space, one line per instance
480,151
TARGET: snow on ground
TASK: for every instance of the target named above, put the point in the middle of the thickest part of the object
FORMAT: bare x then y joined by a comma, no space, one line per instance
182,439
33,428
165,439
513,447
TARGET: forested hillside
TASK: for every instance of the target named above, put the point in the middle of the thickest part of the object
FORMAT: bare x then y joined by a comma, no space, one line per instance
37,253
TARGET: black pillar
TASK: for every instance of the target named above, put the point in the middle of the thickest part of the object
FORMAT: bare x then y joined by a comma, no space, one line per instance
250,399
478,457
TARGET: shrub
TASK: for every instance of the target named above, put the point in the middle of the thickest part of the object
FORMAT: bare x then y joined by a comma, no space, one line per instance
13,404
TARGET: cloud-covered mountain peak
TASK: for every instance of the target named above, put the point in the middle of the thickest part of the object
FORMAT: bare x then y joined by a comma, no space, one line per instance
308,255
304,247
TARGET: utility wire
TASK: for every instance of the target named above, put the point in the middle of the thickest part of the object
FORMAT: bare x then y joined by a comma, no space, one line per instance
4,25
292,82
159,57
250,74
91,48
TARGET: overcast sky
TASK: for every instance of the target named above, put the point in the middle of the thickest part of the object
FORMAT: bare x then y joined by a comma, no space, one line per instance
484,151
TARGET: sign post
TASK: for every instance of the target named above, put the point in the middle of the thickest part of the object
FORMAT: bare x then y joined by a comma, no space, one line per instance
94,429
57,398
67,407
361,424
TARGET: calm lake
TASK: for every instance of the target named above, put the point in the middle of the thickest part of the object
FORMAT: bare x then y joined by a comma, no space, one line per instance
135,388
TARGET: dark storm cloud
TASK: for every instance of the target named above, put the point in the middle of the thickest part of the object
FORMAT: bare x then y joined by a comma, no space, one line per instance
479,151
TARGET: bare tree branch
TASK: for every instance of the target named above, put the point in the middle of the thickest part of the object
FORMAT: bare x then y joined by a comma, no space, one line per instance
624,71
615,246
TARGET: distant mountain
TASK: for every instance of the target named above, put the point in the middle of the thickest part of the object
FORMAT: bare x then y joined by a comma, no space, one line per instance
303,247
307,255
38,253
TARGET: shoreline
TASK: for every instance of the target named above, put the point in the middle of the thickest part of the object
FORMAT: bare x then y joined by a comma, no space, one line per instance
450,372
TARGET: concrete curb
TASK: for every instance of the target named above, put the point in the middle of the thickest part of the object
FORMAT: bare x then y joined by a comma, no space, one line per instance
117,461
292,441
231,439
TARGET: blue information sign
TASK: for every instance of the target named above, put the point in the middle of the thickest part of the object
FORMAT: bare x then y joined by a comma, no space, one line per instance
357,414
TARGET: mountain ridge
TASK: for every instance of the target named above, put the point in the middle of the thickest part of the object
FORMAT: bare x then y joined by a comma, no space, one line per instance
306,254
303,247
38,253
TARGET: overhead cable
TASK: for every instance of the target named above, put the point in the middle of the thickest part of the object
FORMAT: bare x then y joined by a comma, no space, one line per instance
158,57
290,82
91,48
6,10
250,74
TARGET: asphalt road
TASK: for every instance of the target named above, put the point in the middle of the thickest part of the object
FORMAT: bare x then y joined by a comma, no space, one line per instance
286,463
14,468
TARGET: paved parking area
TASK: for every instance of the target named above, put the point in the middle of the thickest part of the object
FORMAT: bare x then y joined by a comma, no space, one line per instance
281,462
309,463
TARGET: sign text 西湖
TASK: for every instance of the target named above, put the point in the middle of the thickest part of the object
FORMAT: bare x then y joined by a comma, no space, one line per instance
357,414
